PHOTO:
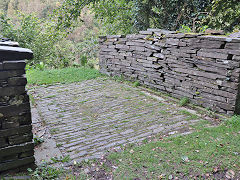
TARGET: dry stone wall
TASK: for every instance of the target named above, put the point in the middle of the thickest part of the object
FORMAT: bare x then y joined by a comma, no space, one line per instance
203,68
16,146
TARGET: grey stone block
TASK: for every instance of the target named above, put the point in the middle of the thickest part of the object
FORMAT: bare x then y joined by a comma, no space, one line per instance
16,163
14,131
12,73
17,81
230,45
9,91
14,110
203,53
159,55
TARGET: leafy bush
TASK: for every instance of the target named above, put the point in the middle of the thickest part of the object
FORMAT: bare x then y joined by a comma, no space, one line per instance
40,35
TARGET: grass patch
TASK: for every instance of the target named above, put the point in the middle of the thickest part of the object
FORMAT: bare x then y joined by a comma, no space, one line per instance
136,84
184,101
190,115
208,151
66,75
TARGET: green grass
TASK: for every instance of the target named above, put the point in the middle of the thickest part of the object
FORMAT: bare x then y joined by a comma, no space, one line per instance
66,75
184,101
183,156
190,115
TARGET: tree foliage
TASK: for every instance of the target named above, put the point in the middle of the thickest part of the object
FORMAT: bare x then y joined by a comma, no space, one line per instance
224,14
169,14
115,16
132,15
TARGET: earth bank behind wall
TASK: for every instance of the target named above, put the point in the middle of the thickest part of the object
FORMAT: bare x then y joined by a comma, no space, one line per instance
16,145
203,68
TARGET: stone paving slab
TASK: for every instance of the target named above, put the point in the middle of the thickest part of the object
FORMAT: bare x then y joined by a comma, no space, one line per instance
90,117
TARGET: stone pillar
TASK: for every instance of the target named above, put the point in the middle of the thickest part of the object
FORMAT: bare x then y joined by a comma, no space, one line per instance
16,145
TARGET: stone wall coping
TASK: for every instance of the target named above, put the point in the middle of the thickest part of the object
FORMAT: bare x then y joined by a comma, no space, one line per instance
9,43
14,53
166,32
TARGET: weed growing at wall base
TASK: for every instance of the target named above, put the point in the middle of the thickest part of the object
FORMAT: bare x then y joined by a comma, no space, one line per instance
184,101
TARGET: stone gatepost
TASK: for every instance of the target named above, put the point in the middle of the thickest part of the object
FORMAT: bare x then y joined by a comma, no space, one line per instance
16,145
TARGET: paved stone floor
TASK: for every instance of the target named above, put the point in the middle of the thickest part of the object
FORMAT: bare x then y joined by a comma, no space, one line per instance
87,118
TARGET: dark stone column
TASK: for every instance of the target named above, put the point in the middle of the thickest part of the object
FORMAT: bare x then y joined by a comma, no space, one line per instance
16,145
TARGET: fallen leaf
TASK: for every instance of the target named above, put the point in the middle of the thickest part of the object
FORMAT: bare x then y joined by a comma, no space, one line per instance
215,169
161,176
185,158
114,167
230,174
86,171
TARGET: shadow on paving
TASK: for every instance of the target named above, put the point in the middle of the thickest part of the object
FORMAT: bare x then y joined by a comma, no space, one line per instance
85,119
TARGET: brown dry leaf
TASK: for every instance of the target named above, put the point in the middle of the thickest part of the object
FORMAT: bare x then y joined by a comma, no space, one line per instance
215,169
161,176
201,162
230,174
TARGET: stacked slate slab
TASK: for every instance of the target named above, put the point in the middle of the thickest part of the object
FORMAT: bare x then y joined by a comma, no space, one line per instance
16,146
203,68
